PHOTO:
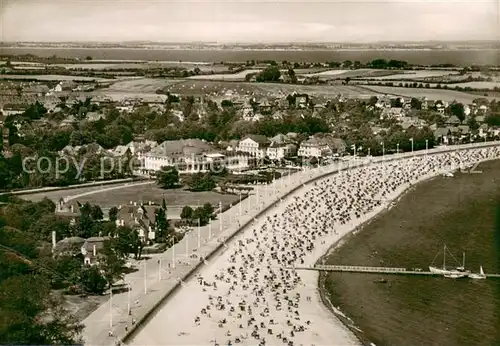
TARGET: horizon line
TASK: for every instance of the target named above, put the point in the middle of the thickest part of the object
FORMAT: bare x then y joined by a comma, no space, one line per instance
259,43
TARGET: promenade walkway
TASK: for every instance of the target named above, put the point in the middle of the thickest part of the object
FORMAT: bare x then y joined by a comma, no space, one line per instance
159,275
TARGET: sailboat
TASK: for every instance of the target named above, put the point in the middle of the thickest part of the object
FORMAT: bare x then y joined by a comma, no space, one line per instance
456,273
479,276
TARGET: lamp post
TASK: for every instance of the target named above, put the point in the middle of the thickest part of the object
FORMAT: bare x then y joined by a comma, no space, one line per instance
397,148
173,252
426,146
199,234
240,205
220,217
209,230
145,277
159,269
129,288
411,140
111,307
257,193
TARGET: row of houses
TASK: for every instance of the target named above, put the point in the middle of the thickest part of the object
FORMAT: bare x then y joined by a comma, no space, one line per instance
195,155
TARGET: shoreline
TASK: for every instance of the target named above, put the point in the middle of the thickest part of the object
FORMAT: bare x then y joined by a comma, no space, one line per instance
346,320
167,315
160,290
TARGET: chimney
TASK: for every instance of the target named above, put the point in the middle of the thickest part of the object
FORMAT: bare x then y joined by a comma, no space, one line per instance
95,251
54,239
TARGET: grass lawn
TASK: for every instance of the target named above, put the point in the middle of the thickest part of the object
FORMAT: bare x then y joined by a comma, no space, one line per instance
146,193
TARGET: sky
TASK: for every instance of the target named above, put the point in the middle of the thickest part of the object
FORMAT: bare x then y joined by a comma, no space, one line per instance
248,21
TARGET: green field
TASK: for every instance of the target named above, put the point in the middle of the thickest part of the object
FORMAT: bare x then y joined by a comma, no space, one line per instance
141,193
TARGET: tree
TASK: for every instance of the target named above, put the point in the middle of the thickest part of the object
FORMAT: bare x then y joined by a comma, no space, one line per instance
88,58
161,223
168,177
457,109
202,215
293,77
226,103
92,280
127,242
187,213
209,209
201,182
493,120
416,103
396,102
96,213
373,100
473,124
111,262
270,74
32,315
113,214
347,64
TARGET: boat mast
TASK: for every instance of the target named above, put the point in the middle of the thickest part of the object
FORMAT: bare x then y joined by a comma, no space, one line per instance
463,261
444,258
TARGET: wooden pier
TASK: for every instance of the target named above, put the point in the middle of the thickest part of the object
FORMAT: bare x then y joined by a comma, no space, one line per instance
374,270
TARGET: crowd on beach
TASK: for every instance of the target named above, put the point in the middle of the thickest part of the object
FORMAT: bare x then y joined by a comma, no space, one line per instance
254,297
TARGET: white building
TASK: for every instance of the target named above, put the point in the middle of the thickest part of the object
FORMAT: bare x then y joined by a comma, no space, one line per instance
314,147
186,155
278,151
58,88
255,145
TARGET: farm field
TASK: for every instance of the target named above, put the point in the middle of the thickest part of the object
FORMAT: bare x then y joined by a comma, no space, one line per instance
359,73
419,74
54,78
240,76
140,85
324,73
431,94
118,96
478,85
267,89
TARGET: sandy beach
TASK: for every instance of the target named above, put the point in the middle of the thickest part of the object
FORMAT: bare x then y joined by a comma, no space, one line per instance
250,293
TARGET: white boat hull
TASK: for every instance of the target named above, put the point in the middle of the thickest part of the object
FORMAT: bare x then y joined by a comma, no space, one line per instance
447,272
477,276
454,276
